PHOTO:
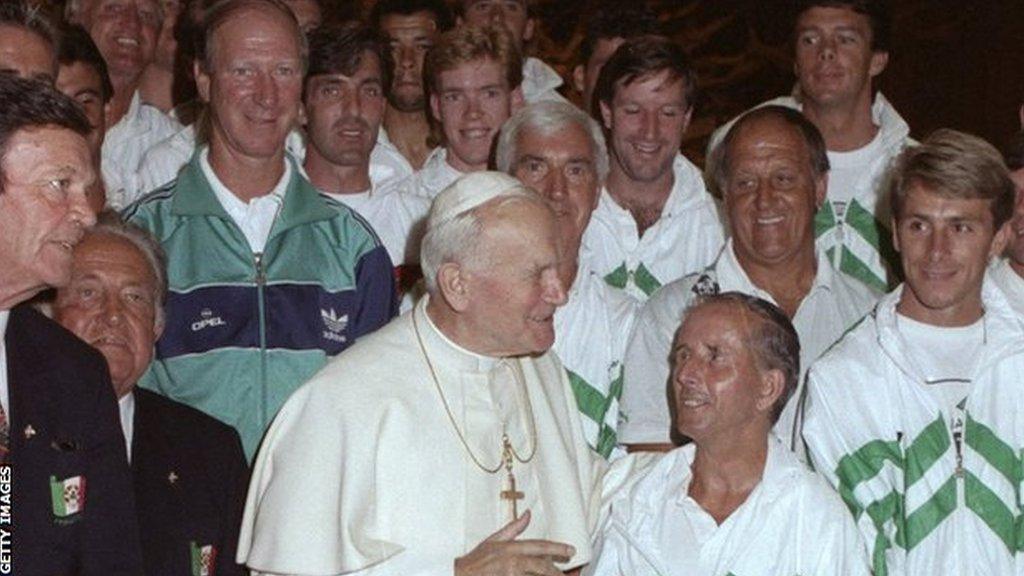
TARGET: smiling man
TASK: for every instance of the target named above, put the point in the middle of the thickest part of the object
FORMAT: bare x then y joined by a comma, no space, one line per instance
840,48
58,418
735,500
655,222
188,470
559,151
125,31
450,438
473,77
771,171
267,277
929,383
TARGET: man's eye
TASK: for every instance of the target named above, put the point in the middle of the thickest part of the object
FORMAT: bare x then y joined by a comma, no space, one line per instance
60,185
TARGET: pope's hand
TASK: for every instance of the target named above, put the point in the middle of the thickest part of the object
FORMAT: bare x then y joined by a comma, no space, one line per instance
502,555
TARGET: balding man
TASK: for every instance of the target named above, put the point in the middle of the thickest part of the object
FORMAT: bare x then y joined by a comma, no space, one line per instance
558,150
735,500
771,171
448,441
60,444
188,469
268,278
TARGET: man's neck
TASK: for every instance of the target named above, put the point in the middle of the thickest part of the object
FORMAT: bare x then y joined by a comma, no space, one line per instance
726,473
124,91
246,178
12,294
1017,267
845,127
409,132
455,162
156,87
787,282
644,200
335,179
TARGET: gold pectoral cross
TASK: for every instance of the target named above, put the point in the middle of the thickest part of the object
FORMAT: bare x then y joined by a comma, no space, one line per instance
511,494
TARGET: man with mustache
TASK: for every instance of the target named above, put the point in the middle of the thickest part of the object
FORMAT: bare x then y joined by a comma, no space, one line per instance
60,445
188,470
267,277
344,99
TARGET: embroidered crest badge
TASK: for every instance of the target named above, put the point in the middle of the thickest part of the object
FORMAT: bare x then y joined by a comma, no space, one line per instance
203,558
68,495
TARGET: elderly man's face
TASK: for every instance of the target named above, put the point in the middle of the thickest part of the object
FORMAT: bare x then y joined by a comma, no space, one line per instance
125,31
513,288
344,112
512,15
560,166
44,207
111,304
717,386
254,85
472,103
771,195
410,37
647,119
26,54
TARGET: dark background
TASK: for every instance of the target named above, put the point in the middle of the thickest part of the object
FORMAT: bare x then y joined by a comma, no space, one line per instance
952,64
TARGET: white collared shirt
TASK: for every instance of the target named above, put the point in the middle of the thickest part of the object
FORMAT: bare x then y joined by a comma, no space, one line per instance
685,239
255,217
1011,283
4,390
436,175
125,143
833,304
126,410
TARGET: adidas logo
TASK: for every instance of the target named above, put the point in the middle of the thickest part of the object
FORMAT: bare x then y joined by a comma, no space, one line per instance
335,325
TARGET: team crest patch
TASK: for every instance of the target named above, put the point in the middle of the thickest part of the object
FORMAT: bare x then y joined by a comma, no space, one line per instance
335,325
203,558
706,286
67,496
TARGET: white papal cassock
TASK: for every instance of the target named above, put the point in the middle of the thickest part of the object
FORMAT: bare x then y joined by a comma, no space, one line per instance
363,469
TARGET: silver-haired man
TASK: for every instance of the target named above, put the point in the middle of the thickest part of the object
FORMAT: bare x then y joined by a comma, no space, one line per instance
448,441
558,150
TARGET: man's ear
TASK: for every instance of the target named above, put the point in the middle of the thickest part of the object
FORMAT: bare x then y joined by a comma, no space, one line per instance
528,31
773,385
1000,240
820,190
879,60
202,81
516,100
158,326
606,114
451,283
894,227
435,107
579,74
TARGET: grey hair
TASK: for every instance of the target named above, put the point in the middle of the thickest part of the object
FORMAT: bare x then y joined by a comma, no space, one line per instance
109,223
547,118
457,239
20,14
773,342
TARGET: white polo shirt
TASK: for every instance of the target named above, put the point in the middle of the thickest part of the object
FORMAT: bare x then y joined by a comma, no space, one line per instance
834,303
436,175
162,162
791,523
684,240
591,331
125,143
